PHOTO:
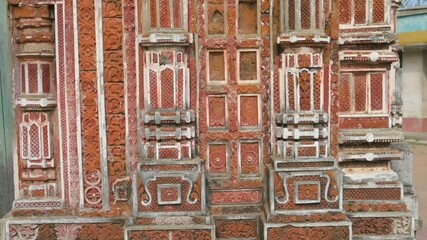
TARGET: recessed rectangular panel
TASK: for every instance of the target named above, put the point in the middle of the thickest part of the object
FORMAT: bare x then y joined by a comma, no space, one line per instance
181,89
218,158
305,14
153,89
237,197
378,10
217,112
291,15
168,151
226,228
167,88
307,192
359,11
360,92
249,158
217,67
153,14
290,85
317,91
377,92
345,93
216,17
305,99
45,78
307,150
33,80
304,60
249,112
345,11
186,150
150,150
248,66
165,16
177,13
23,79
248,21
169,194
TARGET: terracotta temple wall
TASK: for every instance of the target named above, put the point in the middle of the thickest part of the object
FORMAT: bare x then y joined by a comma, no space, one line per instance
208,119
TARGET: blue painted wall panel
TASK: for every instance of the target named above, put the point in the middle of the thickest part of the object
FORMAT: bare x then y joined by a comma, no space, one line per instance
413,23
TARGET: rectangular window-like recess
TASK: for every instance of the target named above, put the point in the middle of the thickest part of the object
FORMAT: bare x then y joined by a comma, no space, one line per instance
363,12
36,78
248,20
302,16
362,92
164,15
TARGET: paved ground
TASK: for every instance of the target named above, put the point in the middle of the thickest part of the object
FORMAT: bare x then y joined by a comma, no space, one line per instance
419,148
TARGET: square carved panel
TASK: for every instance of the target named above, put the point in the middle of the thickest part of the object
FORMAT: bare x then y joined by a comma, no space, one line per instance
307,192
169,194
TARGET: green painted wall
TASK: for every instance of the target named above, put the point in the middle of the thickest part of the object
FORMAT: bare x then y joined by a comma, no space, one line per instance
6,114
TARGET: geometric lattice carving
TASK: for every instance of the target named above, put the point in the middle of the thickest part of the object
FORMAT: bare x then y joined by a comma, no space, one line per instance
360,92
378,10
303,82
302,16
165,14
166,79
35,140
362,12
360,88
377,92
345,94
36,77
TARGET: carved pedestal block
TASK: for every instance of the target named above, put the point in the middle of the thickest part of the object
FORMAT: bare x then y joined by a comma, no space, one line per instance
170,192
298,195
170,228
373,194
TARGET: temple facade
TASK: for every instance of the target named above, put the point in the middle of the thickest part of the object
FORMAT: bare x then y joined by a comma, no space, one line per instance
207,119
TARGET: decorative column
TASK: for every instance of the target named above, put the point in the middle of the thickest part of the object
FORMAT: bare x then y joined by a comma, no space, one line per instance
234,48
37,158
169,182
369,121
304,181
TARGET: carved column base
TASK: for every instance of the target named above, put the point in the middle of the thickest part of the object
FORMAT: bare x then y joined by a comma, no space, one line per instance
312,231
171,228
304,201
169,189
64,227
384,225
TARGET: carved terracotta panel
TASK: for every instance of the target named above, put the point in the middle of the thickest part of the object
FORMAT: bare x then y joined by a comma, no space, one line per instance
218,158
